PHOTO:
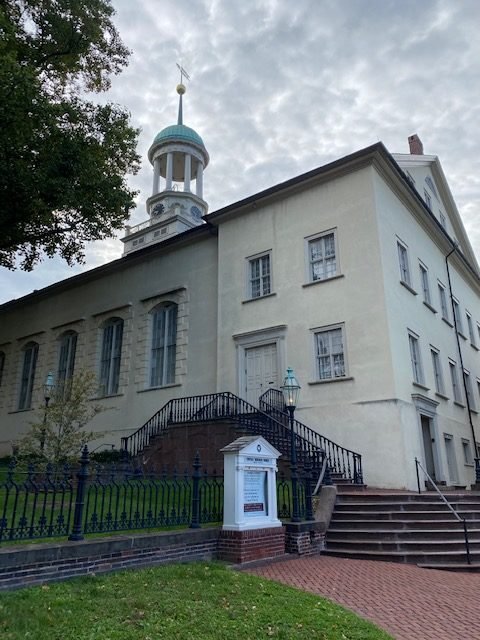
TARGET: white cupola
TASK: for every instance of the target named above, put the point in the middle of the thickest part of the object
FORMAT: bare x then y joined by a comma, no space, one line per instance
179,157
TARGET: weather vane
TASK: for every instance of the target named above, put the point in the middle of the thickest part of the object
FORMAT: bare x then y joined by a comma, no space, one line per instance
182,73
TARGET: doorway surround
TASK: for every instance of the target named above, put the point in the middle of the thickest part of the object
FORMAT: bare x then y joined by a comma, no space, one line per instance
427,408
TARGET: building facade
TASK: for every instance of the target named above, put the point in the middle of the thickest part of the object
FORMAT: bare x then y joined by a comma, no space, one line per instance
358,274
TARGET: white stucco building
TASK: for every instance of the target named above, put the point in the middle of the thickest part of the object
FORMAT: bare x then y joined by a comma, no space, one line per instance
358,274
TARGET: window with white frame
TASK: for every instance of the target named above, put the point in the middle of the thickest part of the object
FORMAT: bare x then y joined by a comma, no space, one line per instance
467,451
457,394
437,371
403,263
425,284
2,365
66,360
417,368
322,257
443,220
30,355
428,199
330,354
111,356
471,332
469,388
259,276
443,301
458,317
164,345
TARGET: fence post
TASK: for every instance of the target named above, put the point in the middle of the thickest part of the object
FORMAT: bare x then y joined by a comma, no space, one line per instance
82,477
308,491
196,475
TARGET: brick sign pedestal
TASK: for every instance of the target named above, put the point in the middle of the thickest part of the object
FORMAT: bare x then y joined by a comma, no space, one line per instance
253,544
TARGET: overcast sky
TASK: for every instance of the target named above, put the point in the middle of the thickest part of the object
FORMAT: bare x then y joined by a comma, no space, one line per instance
280,87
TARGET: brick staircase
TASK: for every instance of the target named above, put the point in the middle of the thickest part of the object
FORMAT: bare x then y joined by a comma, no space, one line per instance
406,527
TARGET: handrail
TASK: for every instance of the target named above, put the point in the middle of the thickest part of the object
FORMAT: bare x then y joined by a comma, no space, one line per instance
224,405
459,518
340,459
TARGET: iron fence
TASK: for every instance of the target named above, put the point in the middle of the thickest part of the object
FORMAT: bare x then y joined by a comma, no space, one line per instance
46,502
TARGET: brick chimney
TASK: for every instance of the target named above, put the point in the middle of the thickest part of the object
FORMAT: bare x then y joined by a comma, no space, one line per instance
416,146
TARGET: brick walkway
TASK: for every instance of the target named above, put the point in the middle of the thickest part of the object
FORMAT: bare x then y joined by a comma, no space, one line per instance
408,602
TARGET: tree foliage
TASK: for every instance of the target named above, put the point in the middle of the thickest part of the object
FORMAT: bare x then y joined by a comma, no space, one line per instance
59,433
63,158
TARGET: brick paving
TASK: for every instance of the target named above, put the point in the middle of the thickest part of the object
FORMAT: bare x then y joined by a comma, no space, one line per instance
408,602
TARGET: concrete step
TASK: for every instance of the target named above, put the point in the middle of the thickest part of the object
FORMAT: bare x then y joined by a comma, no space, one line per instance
407,557
399,524
360,505
400,535
372,496
388,515
474,567
407,546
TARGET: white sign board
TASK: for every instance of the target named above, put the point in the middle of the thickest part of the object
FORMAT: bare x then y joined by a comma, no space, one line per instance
254,493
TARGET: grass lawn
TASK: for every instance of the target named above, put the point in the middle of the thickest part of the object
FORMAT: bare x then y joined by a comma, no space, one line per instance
177,602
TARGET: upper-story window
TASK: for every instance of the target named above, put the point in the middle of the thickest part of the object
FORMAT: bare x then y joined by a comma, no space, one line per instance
469,389
458,317
415,357
428,199
30,355
425,284
259,276
322,257
330,353
66,359
443,301
437,371
164,344
403,263
2,365
111,356
457,393
443,220
471,331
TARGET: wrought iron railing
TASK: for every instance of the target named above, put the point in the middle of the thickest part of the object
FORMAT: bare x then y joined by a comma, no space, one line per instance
342,461
44,502
418,466
226,406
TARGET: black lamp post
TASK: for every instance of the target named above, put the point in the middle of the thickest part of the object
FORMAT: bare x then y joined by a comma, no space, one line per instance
48,388
291,391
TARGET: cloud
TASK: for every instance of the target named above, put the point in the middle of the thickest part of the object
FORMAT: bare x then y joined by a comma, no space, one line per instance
278,88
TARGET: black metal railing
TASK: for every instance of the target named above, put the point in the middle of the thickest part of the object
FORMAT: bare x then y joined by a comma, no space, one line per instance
342,461
45,502
228,406
418,466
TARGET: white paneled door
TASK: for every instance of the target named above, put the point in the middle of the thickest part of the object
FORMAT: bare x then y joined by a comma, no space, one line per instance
261,371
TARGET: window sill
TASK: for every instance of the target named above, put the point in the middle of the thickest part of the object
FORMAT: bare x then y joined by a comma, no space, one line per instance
267,295
165,386
474,410
330,380
110,395
474,346
429,306
420,386
441,395
459,404
310,284
462,335
408,287
21,410
469,464
447,321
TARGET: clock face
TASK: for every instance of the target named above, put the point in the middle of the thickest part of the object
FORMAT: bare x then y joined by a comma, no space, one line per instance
158,209
196,213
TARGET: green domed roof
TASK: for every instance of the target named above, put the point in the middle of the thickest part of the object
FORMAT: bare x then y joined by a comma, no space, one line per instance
178,132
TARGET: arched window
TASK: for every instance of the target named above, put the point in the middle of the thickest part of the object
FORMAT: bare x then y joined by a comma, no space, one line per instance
30,354
2,365
164,343
111,356
66,359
